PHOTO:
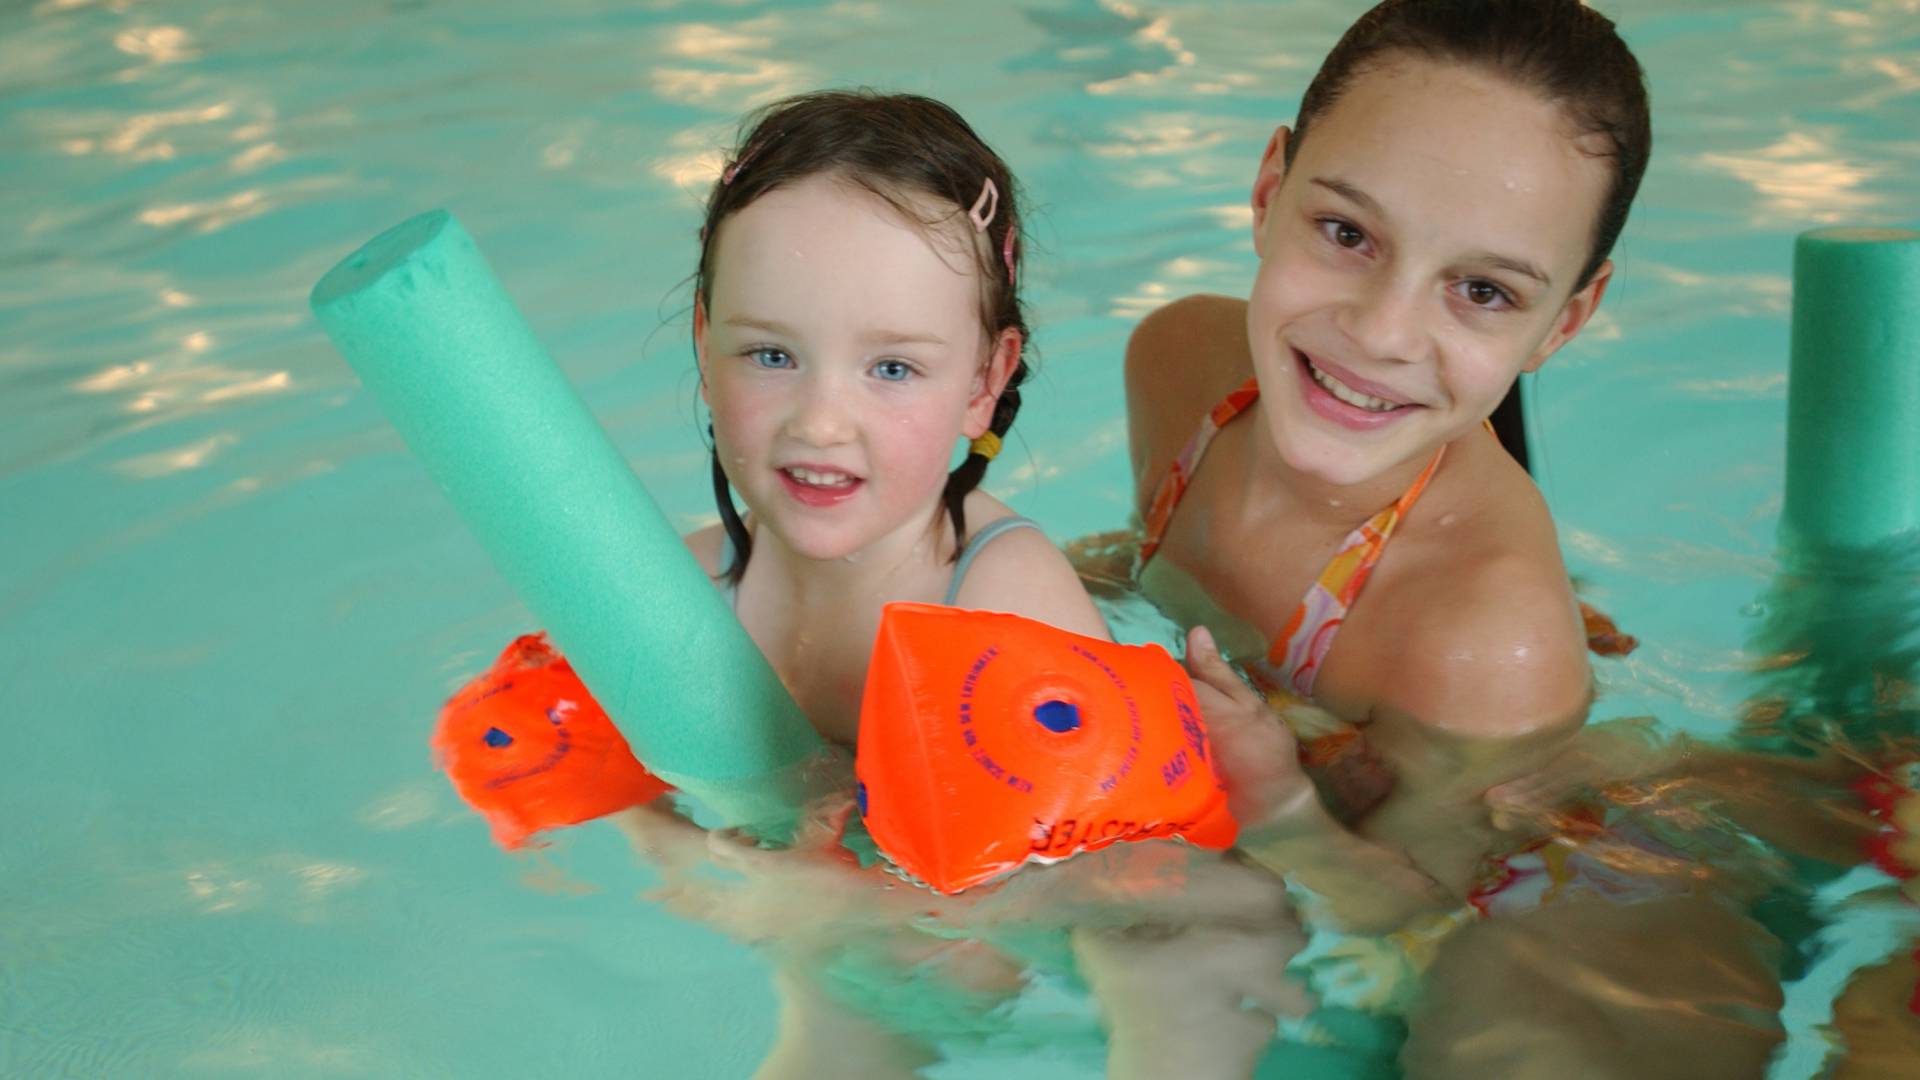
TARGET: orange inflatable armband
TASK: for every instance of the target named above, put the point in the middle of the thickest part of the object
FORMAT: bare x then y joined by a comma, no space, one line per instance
987,740
526,745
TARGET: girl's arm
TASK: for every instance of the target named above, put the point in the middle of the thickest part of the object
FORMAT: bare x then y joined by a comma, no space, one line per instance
814,892
1483,684
1283,826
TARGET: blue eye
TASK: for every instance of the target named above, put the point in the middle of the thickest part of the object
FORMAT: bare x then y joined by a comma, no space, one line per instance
774,359
893,370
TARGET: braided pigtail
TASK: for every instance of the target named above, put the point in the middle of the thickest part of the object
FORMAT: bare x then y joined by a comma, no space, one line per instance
729,518
964,479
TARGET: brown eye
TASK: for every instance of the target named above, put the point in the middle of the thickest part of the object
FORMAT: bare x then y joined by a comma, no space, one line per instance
1483,293
1340,233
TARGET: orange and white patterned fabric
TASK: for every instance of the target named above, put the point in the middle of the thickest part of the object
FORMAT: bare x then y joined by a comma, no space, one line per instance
1293,661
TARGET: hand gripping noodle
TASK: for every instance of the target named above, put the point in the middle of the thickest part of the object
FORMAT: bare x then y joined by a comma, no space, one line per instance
1853,397
987,740
422,319
526,745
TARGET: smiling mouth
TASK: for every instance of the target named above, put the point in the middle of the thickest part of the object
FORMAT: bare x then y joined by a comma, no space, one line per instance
1344,393
823,479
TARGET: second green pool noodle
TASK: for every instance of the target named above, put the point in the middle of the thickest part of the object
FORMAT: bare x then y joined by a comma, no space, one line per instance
1853,401
421,317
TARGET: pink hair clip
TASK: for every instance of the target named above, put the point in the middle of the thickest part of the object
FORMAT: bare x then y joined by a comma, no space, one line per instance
747,155
739,163
982,213
984,207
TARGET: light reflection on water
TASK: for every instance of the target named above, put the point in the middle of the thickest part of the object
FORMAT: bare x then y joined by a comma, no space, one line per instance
229,599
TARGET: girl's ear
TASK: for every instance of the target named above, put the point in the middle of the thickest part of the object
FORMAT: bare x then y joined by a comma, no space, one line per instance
990,381
1573,316
1266,183
700,343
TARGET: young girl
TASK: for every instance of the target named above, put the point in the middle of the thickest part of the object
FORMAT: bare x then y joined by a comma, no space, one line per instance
855,316
1318,487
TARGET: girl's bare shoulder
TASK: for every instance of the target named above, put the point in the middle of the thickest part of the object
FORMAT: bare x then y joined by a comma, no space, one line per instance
705,545
1181,361
1022,572
1478,624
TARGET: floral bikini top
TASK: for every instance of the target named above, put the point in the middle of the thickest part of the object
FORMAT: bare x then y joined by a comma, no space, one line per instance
1293,661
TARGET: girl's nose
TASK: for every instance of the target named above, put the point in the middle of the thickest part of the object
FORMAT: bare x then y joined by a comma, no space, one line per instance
1384,320
821,417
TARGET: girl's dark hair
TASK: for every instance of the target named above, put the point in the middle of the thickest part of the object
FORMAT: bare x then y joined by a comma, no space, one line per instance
1560,49
905,149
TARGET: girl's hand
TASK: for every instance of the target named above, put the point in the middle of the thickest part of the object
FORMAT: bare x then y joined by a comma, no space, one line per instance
1165,883
806,904
814,894
1253,749
807,893
1615,751
1105,561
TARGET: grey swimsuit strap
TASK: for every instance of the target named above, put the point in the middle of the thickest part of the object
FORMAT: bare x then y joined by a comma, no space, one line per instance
975,543
978,540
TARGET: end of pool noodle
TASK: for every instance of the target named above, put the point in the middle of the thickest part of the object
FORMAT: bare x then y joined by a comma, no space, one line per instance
1853,402
421,317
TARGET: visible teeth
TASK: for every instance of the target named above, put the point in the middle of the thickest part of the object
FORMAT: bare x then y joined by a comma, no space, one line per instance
820,479
1347,393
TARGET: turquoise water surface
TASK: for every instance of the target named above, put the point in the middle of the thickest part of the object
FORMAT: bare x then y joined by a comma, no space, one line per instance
230,602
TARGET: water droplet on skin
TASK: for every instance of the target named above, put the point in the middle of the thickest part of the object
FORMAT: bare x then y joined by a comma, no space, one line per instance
1448,519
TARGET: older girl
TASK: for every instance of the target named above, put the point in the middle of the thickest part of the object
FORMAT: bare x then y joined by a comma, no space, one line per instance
1320,488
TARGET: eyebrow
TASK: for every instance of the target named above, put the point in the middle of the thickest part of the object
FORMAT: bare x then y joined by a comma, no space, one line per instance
1503,262
1512,265
879,338
1350,193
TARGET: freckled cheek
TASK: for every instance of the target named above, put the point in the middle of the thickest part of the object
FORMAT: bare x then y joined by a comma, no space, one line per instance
741,420
919,445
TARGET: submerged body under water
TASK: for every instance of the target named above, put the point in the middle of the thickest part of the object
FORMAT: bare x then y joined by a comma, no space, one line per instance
1649,905
1667,905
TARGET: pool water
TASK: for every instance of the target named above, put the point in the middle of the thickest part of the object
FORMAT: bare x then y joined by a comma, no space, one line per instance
230,601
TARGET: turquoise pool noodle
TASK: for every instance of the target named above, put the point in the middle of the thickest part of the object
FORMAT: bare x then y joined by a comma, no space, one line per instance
1853,402
421,317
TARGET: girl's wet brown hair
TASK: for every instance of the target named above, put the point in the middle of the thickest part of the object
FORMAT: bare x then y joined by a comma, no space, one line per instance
1565,52
910,151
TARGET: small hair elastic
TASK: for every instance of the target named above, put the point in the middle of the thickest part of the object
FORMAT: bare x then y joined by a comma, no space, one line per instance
987,446
1006,251
984,207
